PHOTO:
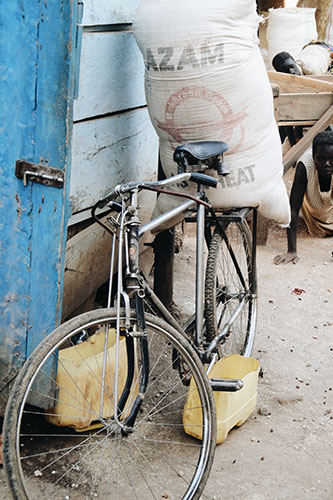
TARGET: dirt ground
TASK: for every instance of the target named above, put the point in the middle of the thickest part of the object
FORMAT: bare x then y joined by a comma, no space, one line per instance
284,450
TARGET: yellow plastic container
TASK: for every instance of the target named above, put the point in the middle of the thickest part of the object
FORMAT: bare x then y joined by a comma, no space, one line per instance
232,408
79,376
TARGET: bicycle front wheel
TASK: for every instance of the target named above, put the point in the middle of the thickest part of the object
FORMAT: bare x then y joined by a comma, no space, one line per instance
230,289
61,440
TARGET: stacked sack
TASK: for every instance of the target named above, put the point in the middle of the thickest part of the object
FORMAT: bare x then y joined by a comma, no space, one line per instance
314,59
205,79
289,30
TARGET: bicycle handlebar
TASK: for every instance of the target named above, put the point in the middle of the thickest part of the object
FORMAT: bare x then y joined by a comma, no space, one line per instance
206,180
199,178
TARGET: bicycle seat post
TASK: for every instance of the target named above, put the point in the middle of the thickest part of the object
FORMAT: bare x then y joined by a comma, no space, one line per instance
196,157
200,269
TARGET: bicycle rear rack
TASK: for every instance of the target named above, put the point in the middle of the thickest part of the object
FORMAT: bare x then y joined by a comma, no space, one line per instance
233,215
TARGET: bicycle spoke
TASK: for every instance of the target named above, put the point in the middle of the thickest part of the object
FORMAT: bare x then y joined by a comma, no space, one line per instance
55,462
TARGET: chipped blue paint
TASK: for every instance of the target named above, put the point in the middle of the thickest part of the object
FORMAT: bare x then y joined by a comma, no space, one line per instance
36,112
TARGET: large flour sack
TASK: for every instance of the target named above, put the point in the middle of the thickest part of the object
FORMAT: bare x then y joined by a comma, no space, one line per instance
205,79
289,30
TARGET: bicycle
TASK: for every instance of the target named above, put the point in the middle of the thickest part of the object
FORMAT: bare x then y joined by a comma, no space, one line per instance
129,440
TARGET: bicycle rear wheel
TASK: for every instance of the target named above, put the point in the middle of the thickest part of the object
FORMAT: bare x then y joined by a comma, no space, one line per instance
227,288
86,455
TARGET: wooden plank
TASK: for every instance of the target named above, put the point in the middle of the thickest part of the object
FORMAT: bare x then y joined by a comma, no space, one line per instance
17,85
88,258
297,123
97,12
111,75
53,134
36,121
294,83
296,151
327,77
304,106
110,151
262,231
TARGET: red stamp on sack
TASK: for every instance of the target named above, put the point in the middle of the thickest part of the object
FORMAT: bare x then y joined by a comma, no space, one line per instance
217,112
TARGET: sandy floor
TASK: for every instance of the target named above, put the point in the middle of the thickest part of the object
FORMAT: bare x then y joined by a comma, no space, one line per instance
283,451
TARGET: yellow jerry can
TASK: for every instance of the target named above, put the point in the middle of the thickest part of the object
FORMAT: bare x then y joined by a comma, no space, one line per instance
79,376
232,408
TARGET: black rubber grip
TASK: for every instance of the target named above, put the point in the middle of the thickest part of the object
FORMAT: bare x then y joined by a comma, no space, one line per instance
104,201
206,180
117,207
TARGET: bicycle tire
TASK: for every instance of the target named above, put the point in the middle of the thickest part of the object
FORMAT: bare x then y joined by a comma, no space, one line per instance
156,460
224,289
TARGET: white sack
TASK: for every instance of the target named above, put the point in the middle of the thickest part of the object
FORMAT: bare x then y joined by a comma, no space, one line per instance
289,30
205,79
314,60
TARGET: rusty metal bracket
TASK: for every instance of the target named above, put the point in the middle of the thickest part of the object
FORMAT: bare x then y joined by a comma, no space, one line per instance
40,173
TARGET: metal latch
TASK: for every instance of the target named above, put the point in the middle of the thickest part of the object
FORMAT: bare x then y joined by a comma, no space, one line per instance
43,174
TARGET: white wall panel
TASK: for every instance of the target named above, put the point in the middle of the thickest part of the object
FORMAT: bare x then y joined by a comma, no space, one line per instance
111,74
108,11
110,151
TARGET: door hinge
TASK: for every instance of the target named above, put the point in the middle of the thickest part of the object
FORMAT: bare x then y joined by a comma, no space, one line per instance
40,173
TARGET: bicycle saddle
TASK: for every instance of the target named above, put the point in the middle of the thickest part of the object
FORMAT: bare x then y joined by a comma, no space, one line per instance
200,150
196,156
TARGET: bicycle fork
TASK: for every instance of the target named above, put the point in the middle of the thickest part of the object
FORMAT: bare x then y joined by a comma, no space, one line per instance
128,240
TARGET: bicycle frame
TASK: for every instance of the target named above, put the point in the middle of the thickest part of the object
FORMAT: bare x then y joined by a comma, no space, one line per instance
132,285
236,215
128,239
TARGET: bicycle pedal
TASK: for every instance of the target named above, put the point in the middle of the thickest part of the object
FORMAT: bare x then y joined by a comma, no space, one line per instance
226,384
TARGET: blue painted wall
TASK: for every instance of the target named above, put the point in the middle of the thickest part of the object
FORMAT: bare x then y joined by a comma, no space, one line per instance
36,83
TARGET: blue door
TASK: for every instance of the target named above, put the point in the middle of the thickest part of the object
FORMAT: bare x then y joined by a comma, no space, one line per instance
37,80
